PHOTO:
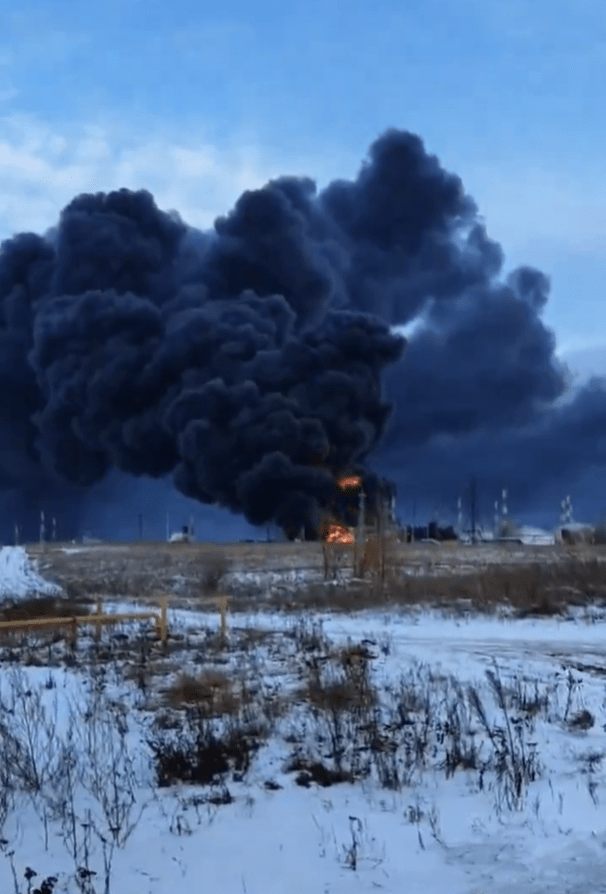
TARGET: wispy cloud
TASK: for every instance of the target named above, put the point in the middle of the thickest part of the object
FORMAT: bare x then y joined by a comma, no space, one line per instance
528,204
42,169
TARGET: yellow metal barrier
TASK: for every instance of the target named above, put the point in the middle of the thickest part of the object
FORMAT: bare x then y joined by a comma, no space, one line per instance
98,619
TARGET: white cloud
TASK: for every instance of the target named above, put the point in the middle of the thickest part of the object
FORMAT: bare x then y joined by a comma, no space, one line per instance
42,169
531,207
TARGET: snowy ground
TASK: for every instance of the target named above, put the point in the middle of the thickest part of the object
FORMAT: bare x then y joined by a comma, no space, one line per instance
18,575
438,830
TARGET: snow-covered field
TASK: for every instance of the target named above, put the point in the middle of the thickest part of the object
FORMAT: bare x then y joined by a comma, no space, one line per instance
476,747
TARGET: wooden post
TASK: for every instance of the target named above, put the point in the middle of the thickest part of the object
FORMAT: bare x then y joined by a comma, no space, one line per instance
163,624
73,632
98,623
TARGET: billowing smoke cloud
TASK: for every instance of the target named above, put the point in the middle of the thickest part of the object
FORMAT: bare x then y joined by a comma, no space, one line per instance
248,362
131,344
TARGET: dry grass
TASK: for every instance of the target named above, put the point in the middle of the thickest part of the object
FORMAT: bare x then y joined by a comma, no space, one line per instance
529,590
332,695
530,580
339,681
251,637
213,691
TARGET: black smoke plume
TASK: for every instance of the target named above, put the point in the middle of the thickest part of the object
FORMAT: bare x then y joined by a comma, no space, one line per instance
228,364
257,362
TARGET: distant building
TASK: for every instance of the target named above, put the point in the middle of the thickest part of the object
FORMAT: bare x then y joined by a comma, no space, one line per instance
185,535
575,532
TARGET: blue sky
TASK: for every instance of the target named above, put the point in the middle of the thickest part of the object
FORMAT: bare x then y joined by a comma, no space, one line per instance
197,102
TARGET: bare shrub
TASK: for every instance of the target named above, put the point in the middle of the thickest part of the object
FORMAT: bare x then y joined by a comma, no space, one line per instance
341,682
213,571
29,739
516,762
202,752
7,797
529,701
379,555
212,691
309,635
340,693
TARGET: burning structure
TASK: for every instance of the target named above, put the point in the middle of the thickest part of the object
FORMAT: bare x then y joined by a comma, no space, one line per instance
333,530
361,502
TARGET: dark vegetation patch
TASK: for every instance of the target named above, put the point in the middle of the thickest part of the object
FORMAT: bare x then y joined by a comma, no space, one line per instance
199,751
582,720
309,772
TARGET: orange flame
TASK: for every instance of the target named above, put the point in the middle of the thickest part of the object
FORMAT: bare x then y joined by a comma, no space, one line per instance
339,534
349,481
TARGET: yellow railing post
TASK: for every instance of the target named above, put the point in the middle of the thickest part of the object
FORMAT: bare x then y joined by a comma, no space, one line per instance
163,624
98,623
72,622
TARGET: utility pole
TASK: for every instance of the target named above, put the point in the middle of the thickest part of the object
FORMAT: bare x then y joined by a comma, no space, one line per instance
566,513
473,498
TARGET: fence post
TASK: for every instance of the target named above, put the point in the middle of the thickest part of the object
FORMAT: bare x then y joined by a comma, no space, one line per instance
98,623
163,624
